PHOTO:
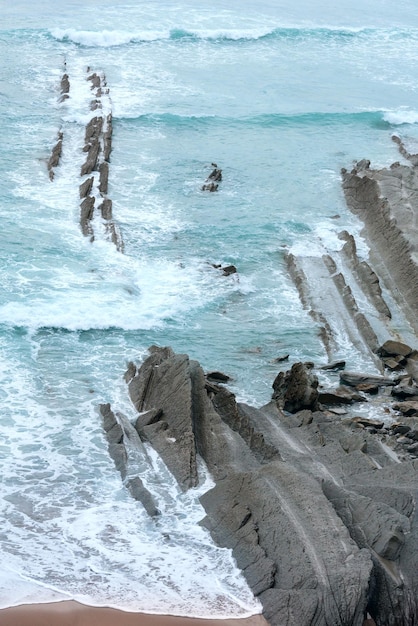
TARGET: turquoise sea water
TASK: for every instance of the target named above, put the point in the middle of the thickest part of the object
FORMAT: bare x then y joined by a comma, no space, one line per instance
281,95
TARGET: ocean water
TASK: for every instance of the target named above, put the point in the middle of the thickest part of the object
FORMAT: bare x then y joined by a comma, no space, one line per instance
281,95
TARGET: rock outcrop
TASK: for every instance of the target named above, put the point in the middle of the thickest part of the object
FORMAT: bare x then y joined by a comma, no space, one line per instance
95,206
319,511
318,504
385,200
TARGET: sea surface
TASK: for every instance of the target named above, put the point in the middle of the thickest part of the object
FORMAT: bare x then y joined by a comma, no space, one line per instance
280,95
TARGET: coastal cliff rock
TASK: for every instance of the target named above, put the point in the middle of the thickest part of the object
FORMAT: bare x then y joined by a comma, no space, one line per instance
319,511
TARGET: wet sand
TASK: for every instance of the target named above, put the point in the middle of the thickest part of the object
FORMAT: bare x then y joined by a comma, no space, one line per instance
71,613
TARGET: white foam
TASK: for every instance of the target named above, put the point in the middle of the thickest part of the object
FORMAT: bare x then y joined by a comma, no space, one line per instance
105,38
401,116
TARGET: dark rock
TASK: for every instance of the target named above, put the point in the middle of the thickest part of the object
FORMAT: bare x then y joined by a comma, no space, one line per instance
130,372
140,492
107,138
95,80
367,388
86,187
86,214
371,524
210,187
339,396
106,209
405,391
320,517
93,130
145,419
228,270
394,363
104,177
115,434
413,449
279,359
216,175
55,156
400,429
218,376
407,408
242,419
280,560
296,389
335,365
90,163
163,384
65,84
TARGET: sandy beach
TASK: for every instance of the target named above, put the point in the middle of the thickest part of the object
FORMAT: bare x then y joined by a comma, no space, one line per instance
71,613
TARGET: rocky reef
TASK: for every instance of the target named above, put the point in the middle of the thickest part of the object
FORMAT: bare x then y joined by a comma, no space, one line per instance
96,217
316,502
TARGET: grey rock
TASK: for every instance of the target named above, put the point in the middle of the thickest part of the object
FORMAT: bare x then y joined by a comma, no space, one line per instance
407,408
106,209
86,187
352,379
296,389
394,348
320,518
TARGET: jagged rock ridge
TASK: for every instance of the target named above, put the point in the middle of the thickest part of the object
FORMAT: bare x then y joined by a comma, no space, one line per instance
318,511
95,206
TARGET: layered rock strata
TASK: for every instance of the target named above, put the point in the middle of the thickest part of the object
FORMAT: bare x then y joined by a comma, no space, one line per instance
98,146
369,301
95,206
319,511
386,201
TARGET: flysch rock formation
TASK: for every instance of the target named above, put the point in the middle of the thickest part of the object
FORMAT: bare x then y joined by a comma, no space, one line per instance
317,504
95,205
318,510
372,300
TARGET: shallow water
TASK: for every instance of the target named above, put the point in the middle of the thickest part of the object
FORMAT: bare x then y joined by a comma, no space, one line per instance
281,98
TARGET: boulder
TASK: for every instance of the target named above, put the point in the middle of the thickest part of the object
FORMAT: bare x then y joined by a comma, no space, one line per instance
341,395
296,389
334,365
408,408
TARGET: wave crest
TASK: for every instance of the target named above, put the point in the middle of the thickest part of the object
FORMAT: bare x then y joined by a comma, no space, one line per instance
401,116
109,38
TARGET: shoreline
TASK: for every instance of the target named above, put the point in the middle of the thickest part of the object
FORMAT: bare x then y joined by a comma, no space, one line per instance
71,613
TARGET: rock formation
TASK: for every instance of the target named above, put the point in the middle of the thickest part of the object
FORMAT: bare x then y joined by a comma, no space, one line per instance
319,511
213,180
318,504
95,169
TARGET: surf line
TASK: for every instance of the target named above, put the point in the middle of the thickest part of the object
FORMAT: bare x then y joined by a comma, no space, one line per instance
95,206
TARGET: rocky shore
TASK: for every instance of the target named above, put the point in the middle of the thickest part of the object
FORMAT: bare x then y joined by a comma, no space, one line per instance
316,502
